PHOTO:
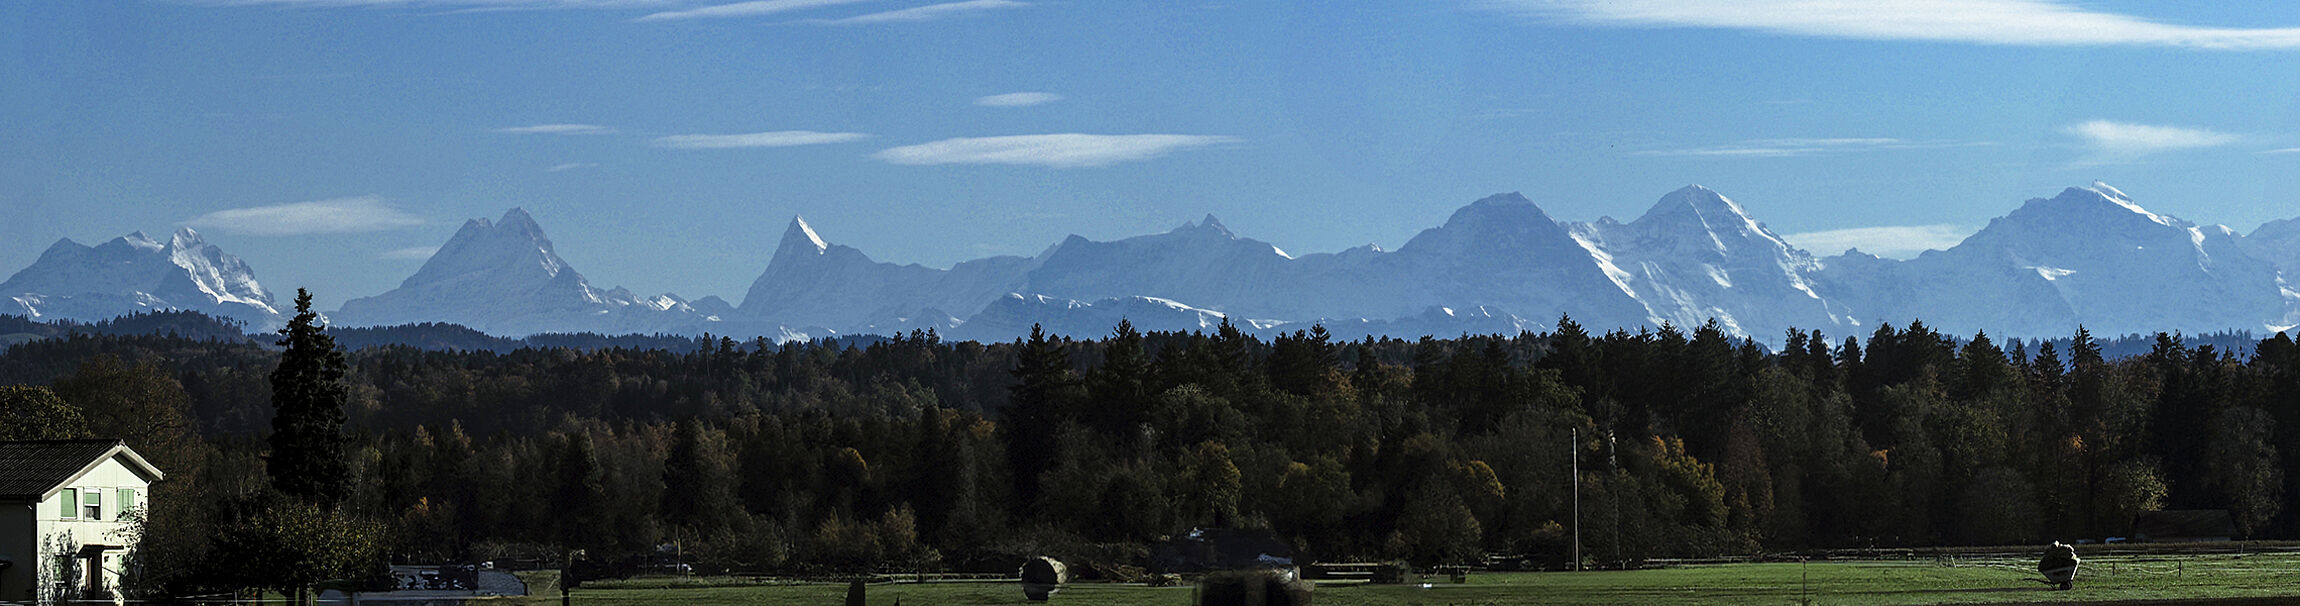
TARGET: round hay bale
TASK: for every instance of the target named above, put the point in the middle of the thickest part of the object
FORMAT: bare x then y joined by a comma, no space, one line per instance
1042,576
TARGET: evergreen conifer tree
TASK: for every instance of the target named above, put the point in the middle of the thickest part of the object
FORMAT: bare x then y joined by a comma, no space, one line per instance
308,395
1040,400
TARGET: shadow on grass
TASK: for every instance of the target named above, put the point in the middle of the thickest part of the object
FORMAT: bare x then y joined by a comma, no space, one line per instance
1936,591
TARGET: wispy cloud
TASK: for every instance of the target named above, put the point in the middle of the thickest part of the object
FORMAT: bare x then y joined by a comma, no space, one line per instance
456,4
416,252
1017,99
1993,22
340,215
2288,150
556,129
780,138
923,13
758,8
1066,150
560,168
1894,241
1781,148
2124,140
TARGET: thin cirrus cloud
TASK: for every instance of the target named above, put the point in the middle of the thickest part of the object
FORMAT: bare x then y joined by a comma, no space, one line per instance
2111,139
1784,148
564,167
414,252
1893,241
929,12
340,215
1025,99
556,129
758,8
1065,150
465,4
1989,22
780,138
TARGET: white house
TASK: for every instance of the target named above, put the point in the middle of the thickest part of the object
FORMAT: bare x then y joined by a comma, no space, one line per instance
61,503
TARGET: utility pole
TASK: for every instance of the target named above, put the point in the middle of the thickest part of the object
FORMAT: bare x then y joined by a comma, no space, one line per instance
1573,451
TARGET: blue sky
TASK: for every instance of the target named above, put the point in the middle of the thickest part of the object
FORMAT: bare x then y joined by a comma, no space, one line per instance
665,144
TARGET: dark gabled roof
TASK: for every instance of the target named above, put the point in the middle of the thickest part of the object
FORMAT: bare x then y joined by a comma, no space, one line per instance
31,468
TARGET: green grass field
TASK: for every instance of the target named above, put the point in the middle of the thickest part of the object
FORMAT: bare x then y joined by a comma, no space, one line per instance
2135,579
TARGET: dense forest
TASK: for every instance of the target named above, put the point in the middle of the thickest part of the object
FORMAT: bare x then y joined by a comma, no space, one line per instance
913,453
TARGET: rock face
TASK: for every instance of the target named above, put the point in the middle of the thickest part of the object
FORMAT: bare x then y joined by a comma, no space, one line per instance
135,273
504,278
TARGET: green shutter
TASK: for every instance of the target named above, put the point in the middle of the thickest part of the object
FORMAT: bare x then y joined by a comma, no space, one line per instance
127,500
71,501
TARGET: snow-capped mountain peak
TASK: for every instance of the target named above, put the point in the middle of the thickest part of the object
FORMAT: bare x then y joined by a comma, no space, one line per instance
504,277
799,237
185,237
512,249
2089,212
1700,204
135,273
1696,255
518,221
2089,255
138,241
1500,223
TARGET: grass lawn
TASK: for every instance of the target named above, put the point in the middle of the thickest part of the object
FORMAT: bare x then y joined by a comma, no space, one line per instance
2137,579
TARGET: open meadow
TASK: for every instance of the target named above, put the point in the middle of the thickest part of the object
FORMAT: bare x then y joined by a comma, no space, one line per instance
2114,579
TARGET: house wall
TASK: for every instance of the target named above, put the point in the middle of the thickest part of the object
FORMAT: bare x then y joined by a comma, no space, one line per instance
16,532
60,536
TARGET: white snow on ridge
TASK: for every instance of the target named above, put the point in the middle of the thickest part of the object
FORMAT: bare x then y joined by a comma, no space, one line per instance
2118,197
2051,273
800,223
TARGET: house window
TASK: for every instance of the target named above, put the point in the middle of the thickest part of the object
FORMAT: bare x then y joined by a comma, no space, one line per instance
70,498
94,507
127,500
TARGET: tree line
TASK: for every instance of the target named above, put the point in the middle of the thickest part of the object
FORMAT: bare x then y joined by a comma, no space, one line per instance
915,453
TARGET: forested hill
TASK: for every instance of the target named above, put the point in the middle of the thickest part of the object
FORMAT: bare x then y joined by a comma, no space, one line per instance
179,323
914,452
435,336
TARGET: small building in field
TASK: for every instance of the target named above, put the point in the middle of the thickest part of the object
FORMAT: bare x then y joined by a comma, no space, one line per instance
61,507
2184,526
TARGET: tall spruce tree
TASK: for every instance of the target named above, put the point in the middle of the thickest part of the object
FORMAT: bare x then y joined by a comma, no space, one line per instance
1042,397
308,394
1119,390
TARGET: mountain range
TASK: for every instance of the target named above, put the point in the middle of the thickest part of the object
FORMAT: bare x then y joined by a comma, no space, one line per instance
2088,255
135,273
